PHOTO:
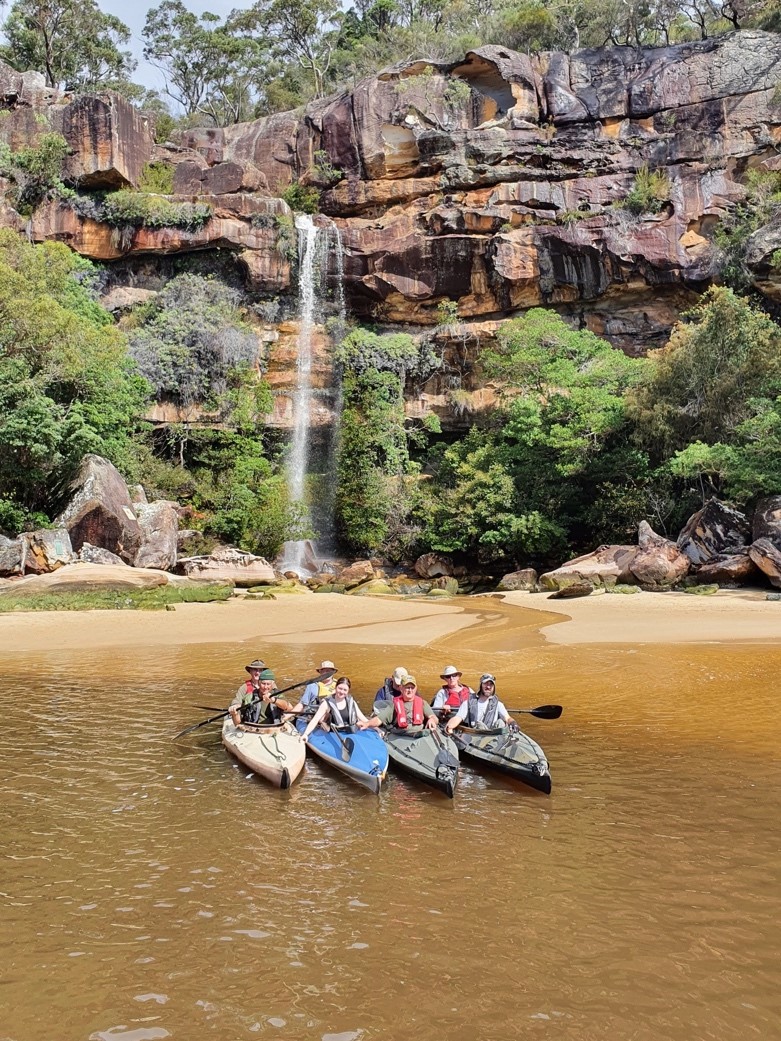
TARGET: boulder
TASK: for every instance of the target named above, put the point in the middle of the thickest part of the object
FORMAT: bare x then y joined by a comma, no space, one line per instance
716,529
230,566
11,551
81,578
767,556
571,592
97,555
376,587
159,523
433,565
448,583
100,511
606,566
525,580
110,142
733,569
137,494
46,550
356,573
658,563
766,522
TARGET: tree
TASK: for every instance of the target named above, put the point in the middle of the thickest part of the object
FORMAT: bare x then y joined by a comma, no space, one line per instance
212,68
300,29
72,42
67,385
723,356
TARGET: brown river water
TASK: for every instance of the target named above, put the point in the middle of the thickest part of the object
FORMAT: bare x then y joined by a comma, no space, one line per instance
153,890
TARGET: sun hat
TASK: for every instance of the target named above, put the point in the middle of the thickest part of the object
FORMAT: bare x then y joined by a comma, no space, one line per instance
449,670
326,665
257,664
406,680
398,675
267,674
487,677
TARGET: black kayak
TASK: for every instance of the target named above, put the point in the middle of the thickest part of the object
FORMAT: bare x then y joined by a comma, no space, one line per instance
428,755
509,751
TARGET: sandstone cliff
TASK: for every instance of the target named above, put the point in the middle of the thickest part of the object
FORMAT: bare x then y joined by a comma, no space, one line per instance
495,183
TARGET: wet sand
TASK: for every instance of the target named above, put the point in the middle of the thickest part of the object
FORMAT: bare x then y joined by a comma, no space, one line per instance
641,618
729,616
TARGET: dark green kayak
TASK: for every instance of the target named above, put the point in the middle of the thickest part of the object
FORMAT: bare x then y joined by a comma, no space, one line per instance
508,751
430,756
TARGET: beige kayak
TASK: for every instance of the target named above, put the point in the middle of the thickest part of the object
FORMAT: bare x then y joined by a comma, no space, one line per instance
274,752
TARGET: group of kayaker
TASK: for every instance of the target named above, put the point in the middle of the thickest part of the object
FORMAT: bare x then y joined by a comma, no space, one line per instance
397,704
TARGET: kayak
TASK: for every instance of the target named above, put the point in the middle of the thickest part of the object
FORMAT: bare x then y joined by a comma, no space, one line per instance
364,759
509,751
275,752
420,755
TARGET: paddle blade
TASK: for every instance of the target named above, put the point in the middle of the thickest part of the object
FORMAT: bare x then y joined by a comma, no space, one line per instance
348,747
541,712
197,726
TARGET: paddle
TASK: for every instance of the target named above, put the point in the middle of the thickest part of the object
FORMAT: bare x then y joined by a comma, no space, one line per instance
347,743
444,756
221,715
542,712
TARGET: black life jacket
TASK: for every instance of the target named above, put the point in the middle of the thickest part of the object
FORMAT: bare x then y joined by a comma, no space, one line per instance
338,719
260,712
489,717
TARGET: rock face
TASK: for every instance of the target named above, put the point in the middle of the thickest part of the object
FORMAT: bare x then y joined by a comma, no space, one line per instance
715,530
100,511
83,578
10,556
230,566
766,522
159,523
606,566
729,570
525,579
433,565
658,563
767,556
496,182
45,550
110,141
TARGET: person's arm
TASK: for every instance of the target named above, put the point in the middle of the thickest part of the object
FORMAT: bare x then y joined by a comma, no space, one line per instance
321,713
457,719
430,716
235,706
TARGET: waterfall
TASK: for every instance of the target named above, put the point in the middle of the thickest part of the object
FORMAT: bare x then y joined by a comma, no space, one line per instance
317,249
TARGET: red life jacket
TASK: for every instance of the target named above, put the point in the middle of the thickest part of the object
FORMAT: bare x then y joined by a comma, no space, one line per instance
250,688
456,698
401,712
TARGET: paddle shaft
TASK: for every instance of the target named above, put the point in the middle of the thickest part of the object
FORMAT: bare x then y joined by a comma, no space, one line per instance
541,712
221,715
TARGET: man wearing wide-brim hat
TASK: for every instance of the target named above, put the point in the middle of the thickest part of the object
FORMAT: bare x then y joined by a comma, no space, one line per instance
452,694
250,686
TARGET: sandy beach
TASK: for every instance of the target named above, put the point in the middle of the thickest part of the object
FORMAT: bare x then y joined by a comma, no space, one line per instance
641,618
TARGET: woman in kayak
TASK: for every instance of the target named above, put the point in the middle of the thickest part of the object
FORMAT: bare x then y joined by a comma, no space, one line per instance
340,710
408,712
482,710
258,704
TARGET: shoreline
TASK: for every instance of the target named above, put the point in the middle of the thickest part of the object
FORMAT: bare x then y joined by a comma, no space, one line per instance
730,616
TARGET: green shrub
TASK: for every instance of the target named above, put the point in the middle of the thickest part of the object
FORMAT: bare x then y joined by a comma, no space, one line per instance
324,168
649,192
129,209
36,171
301,199
158,178
287,236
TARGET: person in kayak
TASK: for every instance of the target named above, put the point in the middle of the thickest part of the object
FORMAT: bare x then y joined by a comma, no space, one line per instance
258,704
340,710
407,711
451,695
391,687
482,710
314,693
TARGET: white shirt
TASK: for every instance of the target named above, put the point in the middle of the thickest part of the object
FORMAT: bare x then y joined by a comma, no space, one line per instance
482,705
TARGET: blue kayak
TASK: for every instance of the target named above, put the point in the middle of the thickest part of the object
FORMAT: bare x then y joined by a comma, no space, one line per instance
363,756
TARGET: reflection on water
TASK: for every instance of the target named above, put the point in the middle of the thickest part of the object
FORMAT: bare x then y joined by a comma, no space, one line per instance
154,890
